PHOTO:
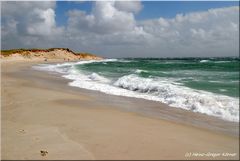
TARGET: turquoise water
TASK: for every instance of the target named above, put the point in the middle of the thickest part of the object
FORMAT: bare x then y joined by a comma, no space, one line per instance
205,85
216,75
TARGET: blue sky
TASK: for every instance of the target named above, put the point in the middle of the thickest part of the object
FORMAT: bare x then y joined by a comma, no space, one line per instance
124,28
169,9
151,10
62,7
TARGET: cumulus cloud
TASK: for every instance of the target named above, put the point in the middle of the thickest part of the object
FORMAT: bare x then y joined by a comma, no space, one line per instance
33,18
213,32
45,24
106,18
28,23
112,30
107,25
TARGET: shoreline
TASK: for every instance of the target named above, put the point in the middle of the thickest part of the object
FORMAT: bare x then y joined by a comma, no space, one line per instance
151,109
106,121
136,83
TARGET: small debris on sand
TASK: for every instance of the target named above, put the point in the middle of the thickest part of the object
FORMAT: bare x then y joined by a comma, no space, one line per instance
43,152
22,131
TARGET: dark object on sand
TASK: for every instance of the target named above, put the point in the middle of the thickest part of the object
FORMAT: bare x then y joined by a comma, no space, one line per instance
45,59
43,152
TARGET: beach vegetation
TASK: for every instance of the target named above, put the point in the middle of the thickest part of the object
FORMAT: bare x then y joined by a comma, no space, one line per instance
27,52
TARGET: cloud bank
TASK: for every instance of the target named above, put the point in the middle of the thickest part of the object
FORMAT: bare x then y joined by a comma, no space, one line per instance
111,30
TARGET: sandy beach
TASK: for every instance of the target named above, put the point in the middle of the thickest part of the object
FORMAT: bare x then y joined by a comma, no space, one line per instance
39,111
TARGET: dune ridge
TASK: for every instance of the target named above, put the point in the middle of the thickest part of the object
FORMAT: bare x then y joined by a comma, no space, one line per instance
52,53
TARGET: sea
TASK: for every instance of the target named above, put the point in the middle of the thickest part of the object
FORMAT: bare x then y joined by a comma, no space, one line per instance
203,85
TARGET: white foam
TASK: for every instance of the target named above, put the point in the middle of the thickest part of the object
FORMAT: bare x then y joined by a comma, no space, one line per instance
204,61
179,96
223,90
215,81
60,67
140,71
222,61
96,77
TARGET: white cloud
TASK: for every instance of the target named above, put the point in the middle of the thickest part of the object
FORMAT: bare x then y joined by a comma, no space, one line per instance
105,19
129,6
111,29
32,18
210,33
46,23
28,24
106,25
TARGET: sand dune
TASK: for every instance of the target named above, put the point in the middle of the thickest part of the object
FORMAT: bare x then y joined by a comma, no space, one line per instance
46,54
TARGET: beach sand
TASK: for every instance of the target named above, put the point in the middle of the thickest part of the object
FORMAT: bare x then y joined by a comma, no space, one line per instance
39,111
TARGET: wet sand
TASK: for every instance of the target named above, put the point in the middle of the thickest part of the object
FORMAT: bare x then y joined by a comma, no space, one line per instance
39,111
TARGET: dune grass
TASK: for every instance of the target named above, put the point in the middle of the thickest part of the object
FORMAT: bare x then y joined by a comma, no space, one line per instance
26,52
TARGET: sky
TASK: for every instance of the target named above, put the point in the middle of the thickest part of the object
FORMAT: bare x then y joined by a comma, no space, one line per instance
115,29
